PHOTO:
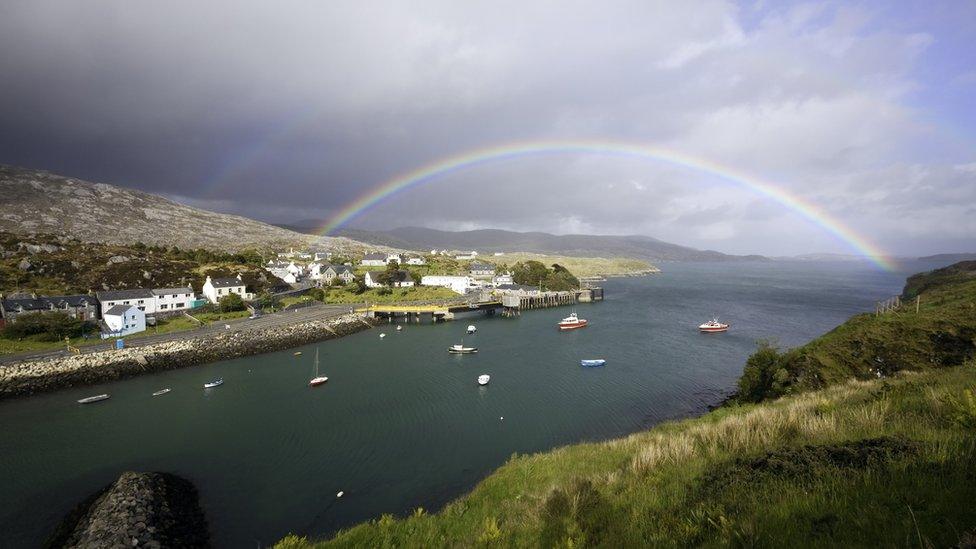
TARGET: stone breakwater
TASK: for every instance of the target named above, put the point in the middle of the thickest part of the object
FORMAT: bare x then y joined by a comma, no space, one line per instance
151,510
27,378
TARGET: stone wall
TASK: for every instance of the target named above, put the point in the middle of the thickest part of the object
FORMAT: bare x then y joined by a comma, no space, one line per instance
152,510
27,378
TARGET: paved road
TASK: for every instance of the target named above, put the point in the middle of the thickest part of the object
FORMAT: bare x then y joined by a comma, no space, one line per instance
313,311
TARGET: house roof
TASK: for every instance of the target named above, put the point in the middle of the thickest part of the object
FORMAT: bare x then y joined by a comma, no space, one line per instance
119,310
44,303
115,295
226,282
339,269
482,267
167,291
375,256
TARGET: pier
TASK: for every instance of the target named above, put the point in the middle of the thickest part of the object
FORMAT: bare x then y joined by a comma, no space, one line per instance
508,304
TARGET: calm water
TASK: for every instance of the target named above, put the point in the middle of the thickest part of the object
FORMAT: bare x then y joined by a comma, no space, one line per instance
401,423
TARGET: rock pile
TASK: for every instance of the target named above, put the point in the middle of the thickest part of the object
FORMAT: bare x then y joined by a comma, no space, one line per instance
153,510
26,378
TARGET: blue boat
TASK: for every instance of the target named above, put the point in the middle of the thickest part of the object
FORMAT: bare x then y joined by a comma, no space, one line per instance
593,362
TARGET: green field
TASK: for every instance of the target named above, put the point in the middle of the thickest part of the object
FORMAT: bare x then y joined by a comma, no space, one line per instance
855,460
580,266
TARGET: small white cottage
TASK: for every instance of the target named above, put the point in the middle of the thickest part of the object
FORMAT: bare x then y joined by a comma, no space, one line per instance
122,320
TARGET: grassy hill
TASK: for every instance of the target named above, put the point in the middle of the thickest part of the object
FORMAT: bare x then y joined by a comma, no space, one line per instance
887,461
577,245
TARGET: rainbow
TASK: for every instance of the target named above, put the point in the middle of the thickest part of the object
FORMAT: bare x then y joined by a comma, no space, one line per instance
479,157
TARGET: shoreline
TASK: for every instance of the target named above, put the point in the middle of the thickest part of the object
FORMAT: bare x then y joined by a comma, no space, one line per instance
41,376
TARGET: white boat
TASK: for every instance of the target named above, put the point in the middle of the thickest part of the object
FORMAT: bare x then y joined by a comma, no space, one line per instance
572,322
317,380
399,328
472,329
214,383
382,336
460,349
96,398
712,326
593,362
162,392
483,379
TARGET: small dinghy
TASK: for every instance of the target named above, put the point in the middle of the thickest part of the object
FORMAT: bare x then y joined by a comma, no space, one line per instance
460,349
162,392
214,383
593,362
472,329
298,353
382,336
399,328
96,398
483,379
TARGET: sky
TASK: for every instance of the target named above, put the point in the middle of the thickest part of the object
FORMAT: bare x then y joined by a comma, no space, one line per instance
290,111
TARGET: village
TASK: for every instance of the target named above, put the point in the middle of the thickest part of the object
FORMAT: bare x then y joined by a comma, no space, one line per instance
305,277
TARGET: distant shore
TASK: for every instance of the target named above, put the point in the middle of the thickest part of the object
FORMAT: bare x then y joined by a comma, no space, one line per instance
32,377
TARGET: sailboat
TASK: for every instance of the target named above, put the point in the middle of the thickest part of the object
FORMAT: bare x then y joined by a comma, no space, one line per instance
317,380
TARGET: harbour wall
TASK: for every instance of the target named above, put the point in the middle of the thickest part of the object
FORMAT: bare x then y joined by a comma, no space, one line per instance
27,378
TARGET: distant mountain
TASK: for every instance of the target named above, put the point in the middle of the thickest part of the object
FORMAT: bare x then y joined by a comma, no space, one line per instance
949,258
38,202
495,240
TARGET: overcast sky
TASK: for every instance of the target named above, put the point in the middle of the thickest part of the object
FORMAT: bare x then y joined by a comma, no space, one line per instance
290,110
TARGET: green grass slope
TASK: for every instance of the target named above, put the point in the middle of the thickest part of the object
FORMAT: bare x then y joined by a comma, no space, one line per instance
864,461
941,333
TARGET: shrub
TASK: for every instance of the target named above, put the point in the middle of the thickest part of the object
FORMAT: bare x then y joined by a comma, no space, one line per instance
232,302
316,294
47,326
764,376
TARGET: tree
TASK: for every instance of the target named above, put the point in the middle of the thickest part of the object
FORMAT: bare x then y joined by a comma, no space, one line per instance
391,275
529,273
265,300
763,376
316,294
47,326
231,302
360,285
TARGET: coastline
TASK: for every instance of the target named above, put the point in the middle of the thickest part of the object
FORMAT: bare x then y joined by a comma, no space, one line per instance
28,378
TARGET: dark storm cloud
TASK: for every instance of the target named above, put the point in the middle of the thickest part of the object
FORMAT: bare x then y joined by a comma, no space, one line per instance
290,110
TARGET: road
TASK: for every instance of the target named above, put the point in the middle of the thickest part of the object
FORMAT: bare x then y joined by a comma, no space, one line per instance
312,311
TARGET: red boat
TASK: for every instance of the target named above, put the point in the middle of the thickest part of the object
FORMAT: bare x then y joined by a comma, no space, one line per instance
572,322
713,325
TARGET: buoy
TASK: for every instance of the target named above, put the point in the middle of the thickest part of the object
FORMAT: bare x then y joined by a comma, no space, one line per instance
339,495
502,418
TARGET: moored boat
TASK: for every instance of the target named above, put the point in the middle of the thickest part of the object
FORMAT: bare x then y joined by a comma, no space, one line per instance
317,380
593,362
460,349
214,383
572,322
483,379
96,398
161,392
713,325
472,328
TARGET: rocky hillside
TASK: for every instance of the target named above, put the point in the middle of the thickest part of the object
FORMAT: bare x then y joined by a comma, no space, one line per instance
33,201
53,265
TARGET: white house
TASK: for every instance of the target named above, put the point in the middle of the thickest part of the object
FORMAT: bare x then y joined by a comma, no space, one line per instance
341,272
122,320
482,269
319,256
373,260
173,299
390,258
216,288
139,297
502,279
403,279
296,270
416,261
466,256
314,270
290,278
458,284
